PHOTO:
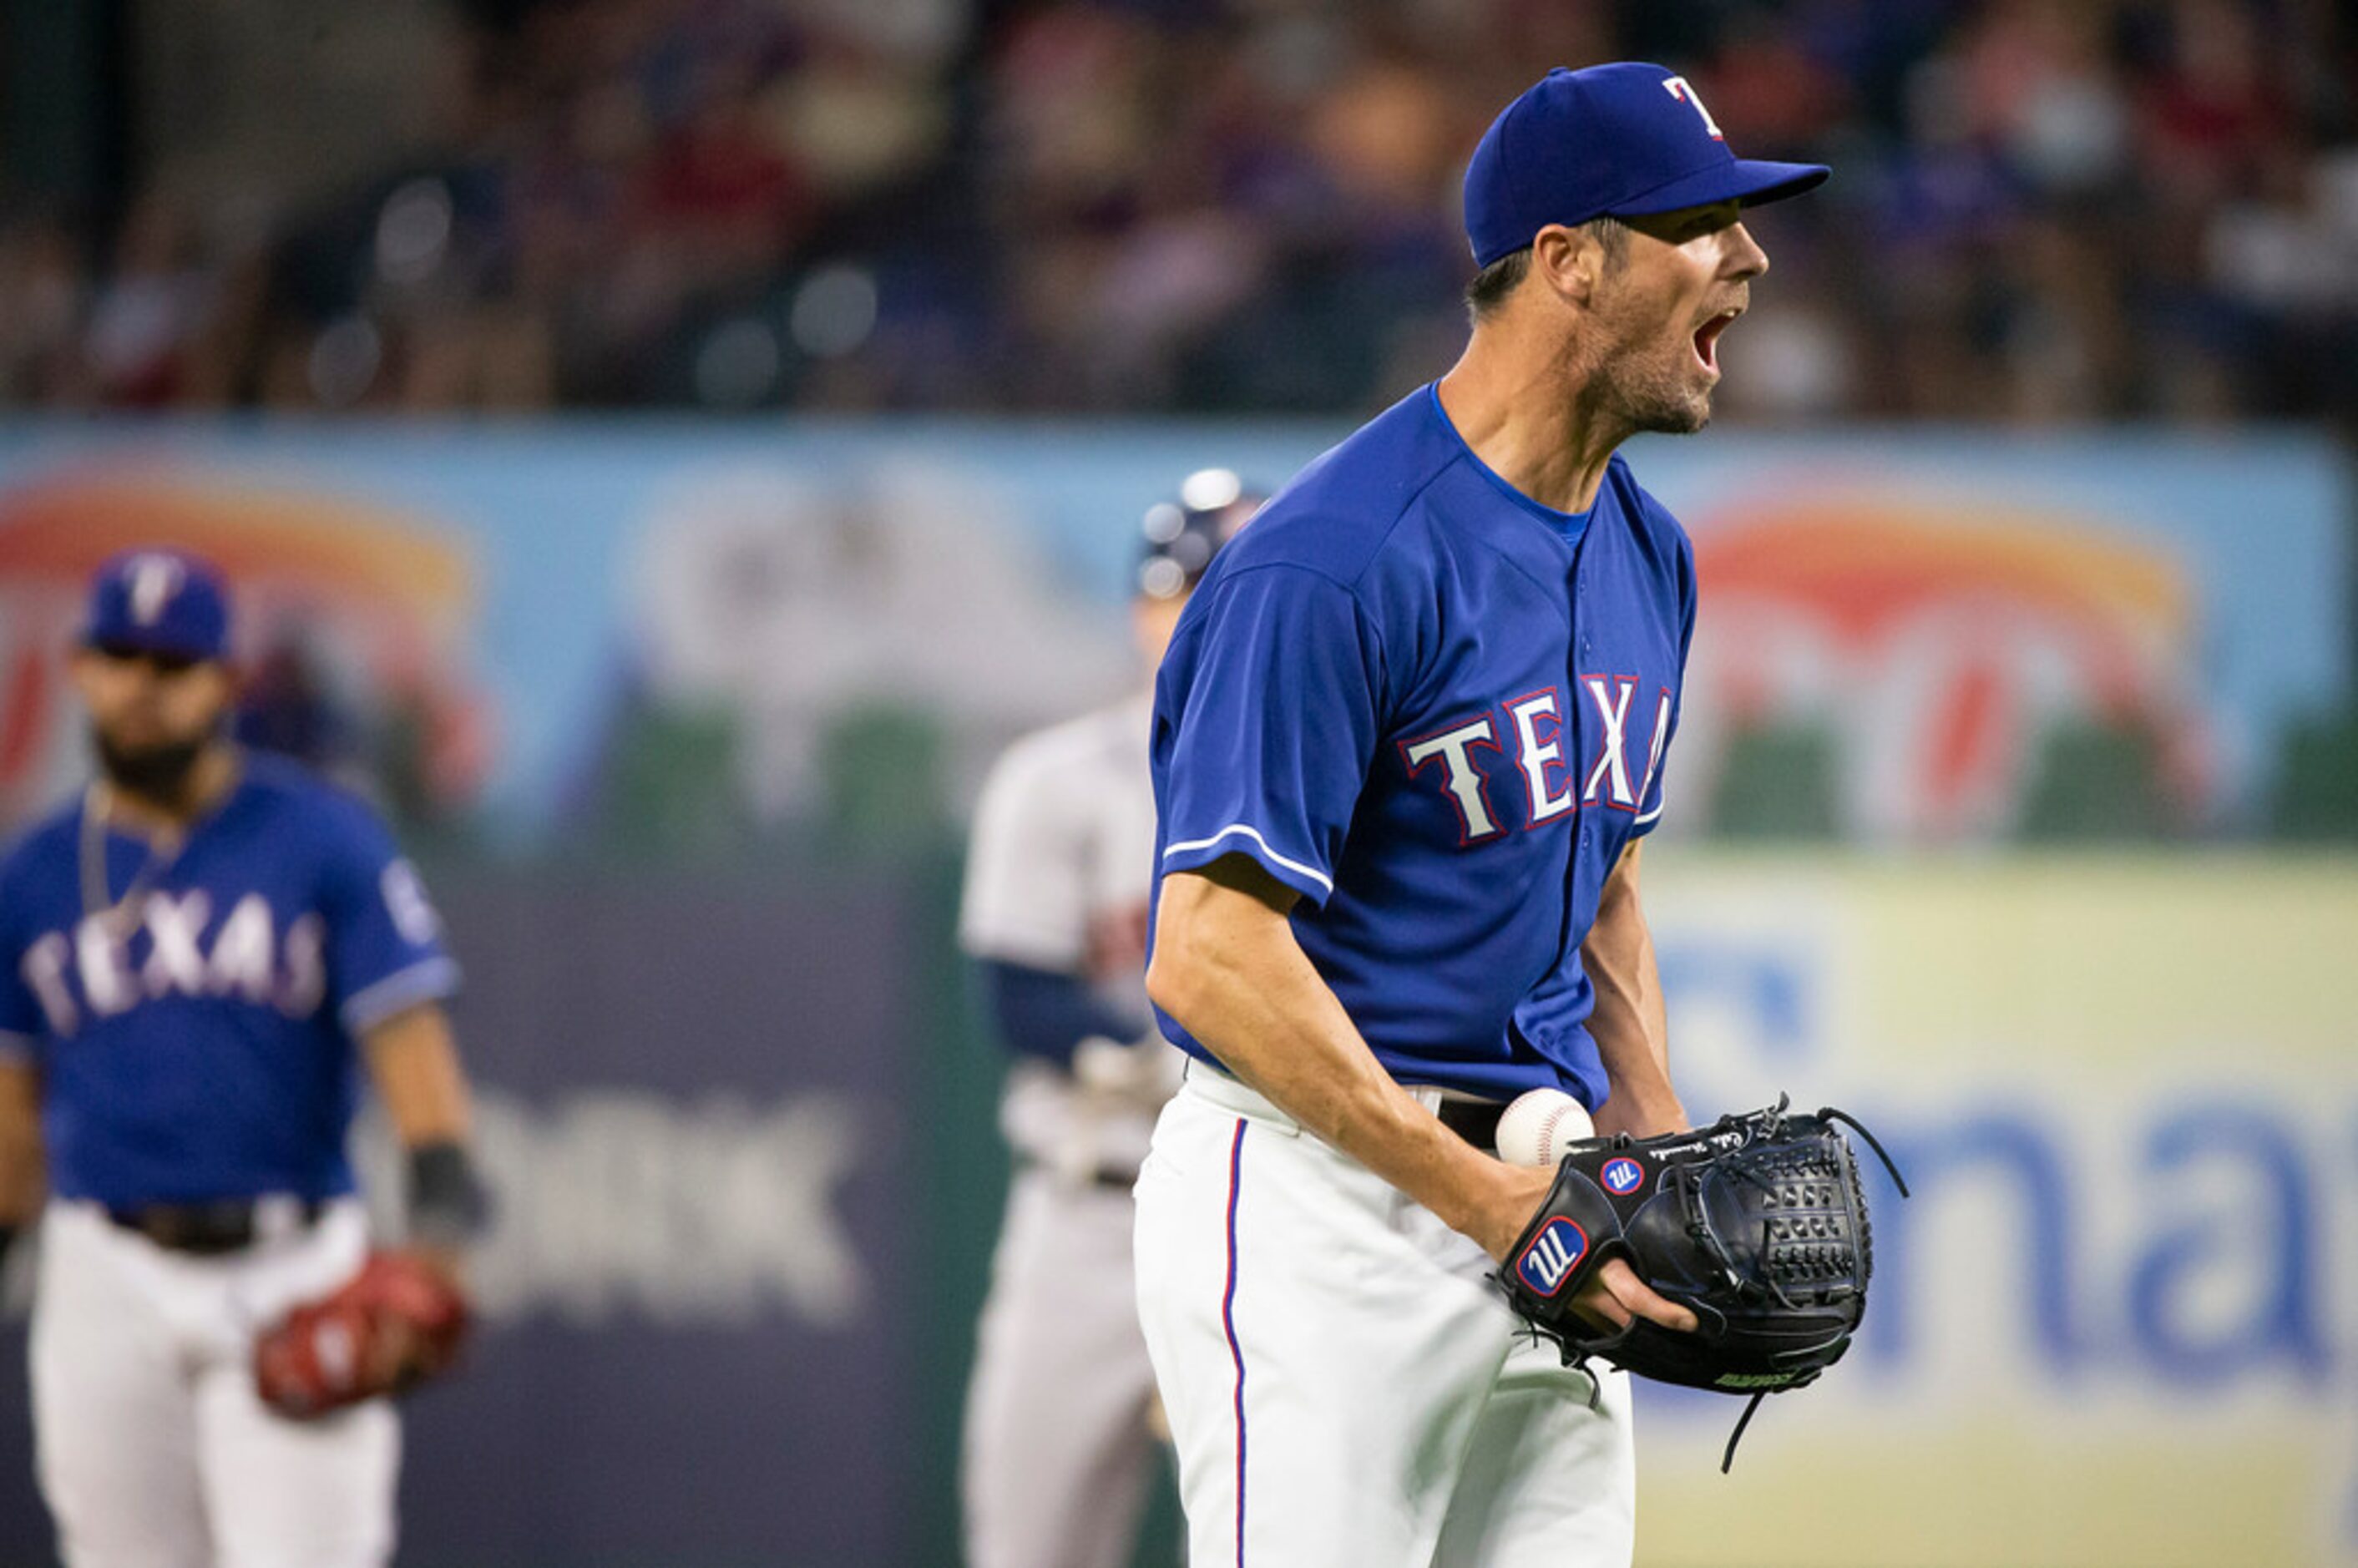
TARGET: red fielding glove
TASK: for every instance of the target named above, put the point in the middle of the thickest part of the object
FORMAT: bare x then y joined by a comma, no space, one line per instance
397,1323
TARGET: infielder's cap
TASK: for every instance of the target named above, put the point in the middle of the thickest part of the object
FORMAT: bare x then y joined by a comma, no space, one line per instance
159,601
1180,537
1610,141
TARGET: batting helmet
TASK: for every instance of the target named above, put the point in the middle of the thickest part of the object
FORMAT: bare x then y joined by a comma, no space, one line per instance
1180,537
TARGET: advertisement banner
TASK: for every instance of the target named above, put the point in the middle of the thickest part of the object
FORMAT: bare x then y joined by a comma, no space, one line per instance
696,1100
1913,628
2118,1321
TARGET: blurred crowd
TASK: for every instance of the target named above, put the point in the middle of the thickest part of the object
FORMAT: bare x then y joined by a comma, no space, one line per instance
2043,211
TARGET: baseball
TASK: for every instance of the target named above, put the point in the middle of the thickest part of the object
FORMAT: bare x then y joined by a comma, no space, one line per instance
1537,1128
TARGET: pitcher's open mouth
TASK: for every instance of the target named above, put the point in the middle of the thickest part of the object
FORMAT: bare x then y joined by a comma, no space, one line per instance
1707,338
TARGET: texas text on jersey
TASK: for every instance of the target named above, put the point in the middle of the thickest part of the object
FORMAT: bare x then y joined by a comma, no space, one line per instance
194,1020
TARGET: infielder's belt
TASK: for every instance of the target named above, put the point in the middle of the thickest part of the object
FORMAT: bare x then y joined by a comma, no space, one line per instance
1114,1178
209,1228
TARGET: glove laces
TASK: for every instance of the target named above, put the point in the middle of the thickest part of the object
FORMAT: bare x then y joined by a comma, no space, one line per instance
1750,1405
1830,1113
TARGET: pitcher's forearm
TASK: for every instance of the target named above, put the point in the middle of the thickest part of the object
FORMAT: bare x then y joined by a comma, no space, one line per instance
1227,968
1630,1023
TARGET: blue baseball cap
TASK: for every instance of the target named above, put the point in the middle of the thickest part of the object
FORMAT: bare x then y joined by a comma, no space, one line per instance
1610,141
159,601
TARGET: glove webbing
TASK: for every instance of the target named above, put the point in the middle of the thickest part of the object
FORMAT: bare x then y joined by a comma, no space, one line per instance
1699,1225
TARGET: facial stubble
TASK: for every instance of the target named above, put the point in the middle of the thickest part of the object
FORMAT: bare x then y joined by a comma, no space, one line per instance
157,773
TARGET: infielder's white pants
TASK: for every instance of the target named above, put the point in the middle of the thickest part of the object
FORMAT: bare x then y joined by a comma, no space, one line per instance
1343,1385
1057,1451
154,1450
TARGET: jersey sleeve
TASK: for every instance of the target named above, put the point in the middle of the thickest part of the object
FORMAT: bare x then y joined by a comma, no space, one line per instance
1027,897
1047,1013
1672,700
384,938
1264,725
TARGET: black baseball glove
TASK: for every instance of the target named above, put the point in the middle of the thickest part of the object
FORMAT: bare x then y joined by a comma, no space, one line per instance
1757,1224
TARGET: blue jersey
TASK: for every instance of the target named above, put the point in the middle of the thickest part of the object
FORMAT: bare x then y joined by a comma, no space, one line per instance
1437,710
196,1041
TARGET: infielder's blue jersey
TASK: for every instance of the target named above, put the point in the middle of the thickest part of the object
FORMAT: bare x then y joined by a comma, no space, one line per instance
199,1043
1437,710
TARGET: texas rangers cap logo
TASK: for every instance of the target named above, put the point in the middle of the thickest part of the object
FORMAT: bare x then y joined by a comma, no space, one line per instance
154,580
1552,1254
1623,1176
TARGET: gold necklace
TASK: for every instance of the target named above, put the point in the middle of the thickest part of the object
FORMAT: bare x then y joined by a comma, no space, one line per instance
118,916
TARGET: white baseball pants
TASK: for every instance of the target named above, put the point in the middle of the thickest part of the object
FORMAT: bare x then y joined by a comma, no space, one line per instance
1345,1387
1057,1451
154,1450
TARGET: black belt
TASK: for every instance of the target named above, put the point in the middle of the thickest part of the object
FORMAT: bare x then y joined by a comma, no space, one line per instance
206,1229
1474,1120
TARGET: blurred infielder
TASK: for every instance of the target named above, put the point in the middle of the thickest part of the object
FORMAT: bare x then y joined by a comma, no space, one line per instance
1058,1452
1408,738
196,957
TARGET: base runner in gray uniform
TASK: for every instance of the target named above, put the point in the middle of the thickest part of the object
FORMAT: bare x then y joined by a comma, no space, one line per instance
1059,1439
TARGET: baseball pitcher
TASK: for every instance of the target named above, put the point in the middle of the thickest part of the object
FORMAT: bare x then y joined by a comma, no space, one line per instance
1407,741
